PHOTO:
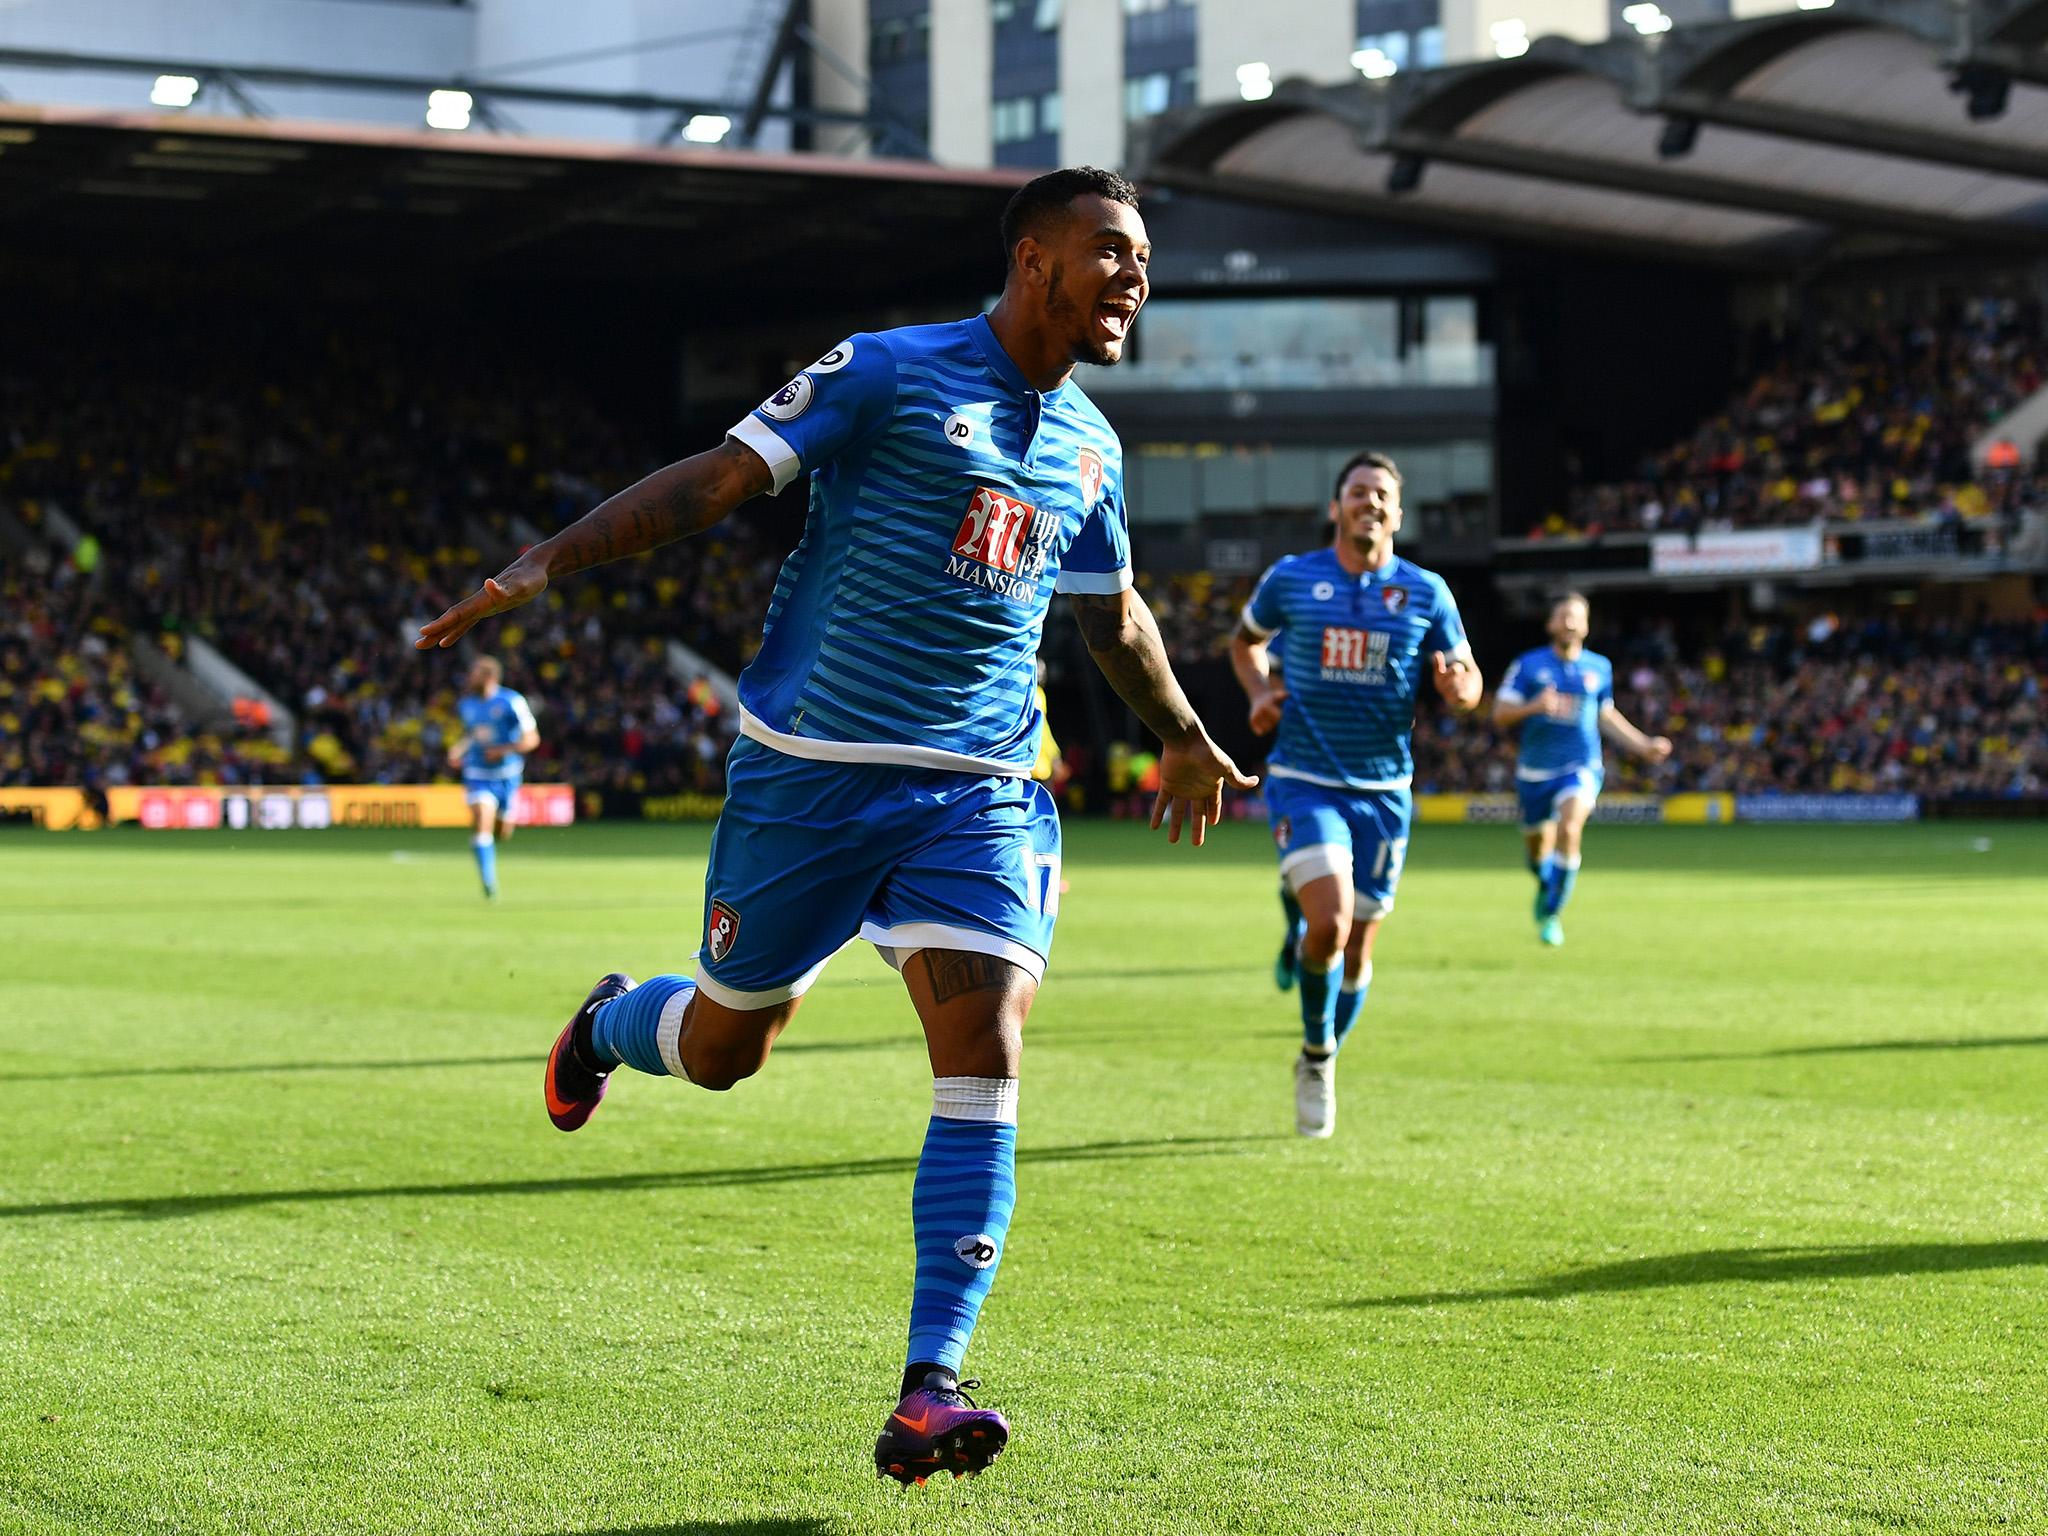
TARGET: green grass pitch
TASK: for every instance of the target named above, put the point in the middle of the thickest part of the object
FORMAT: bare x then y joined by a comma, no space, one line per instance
1731,1216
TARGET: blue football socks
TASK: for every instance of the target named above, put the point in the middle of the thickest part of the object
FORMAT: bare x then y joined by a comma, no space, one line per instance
1351,1003
1319,1006
960,1205
1561,884
627,1031
485,847
1546,884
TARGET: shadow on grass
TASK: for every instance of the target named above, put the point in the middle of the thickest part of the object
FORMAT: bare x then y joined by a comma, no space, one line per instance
1722,1266
1854,1048
160,1207
525,1059
907,1041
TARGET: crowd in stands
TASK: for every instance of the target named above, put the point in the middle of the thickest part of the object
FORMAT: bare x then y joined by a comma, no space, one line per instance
75,707
1863,420
1884,706
301,528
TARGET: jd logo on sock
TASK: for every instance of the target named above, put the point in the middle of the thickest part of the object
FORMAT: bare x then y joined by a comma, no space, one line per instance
976,1252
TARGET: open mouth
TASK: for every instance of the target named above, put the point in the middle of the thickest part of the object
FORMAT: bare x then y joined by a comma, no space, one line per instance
1113,316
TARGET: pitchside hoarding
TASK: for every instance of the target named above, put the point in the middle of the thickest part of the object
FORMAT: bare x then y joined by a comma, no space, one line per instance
272,808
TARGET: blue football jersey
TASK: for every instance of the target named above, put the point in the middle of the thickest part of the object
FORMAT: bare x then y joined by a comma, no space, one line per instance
1352,651
497,720
948,500
1552,747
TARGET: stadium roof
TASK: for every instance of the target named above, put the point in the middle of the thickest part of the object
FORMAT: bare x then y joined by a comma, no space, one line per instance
1779,142
76,181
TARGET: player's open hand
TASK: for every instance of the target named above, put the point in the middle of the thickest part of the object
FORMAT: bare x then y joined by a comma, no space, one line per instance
1457,680
1267,707
520,582
1192,775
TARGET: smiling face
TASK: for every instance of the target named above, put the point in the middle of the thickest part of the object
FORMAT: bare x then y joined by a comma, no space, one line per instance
1367,512
1093,264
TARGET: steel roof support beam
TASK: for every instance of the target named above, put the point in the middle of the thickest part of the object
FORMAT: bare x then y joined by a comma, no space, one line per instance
417,85
1695,187
1850,133
1484,226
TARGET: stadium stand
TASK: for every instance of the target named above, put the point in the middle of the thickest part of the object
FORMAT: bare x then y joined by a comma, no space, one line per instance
298,527
1880,706
74,708
1852,420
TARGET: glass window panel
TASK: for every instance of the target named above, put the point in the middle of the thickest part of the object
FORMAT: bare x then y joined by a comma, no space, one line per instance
1425,473
1294,478
1471,469
1230,482
1162,487
1263,344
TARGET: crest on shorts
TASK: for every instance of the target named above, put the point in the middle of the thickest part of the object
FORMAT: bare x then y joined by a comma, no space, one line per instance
1396,598
721,931
1091,477
1283,832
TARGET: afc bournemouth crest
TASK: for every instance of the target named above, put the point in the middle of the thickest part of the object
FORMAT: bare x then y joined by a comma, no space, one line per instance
1283,832
1091,477
1396,598
722,931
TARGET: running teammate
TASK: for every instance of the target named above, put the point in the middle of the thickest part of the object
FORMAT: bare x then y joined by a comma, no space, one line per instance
1560,697
1358,627
882,783
498,730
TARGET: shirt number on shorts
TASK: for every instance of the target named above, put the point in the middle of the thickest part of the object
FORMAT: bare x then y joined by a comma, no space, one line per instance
1042,881
1387,864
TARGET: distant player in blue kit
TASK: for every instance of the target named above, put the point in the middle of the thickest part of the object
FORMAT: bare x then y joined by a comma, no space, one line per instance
1561,698
882,783
498,731
1358,628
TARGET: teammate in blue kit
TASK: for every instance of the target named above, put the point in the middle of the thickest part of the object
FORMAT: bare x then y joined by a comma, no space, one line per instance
498,730
1560,697
1358,627
882,783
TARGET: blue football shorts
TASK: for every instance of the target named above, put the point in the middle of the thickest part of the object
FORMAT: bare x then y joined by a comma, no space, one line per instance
1360,834
505,792
1541,797
808,855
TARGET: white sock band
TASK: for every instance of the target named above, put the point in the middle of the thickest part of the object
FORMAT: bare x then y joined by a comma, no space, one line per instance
990,1099
668,1033
482,840
1570,863
1364,979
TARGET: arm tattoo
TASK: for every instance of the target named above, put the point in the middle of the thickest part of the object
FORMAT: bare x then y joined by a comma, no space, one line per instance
955,973
1126,645
670,504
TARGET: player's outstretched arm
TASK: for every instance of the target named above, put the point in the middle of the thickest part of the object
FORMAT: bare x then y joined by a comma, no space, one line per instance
673,503
1615,726
1193,770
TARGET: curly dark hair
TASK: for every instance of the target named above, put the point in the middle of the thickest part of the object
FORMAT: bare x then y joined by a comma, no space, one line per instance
1040,200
